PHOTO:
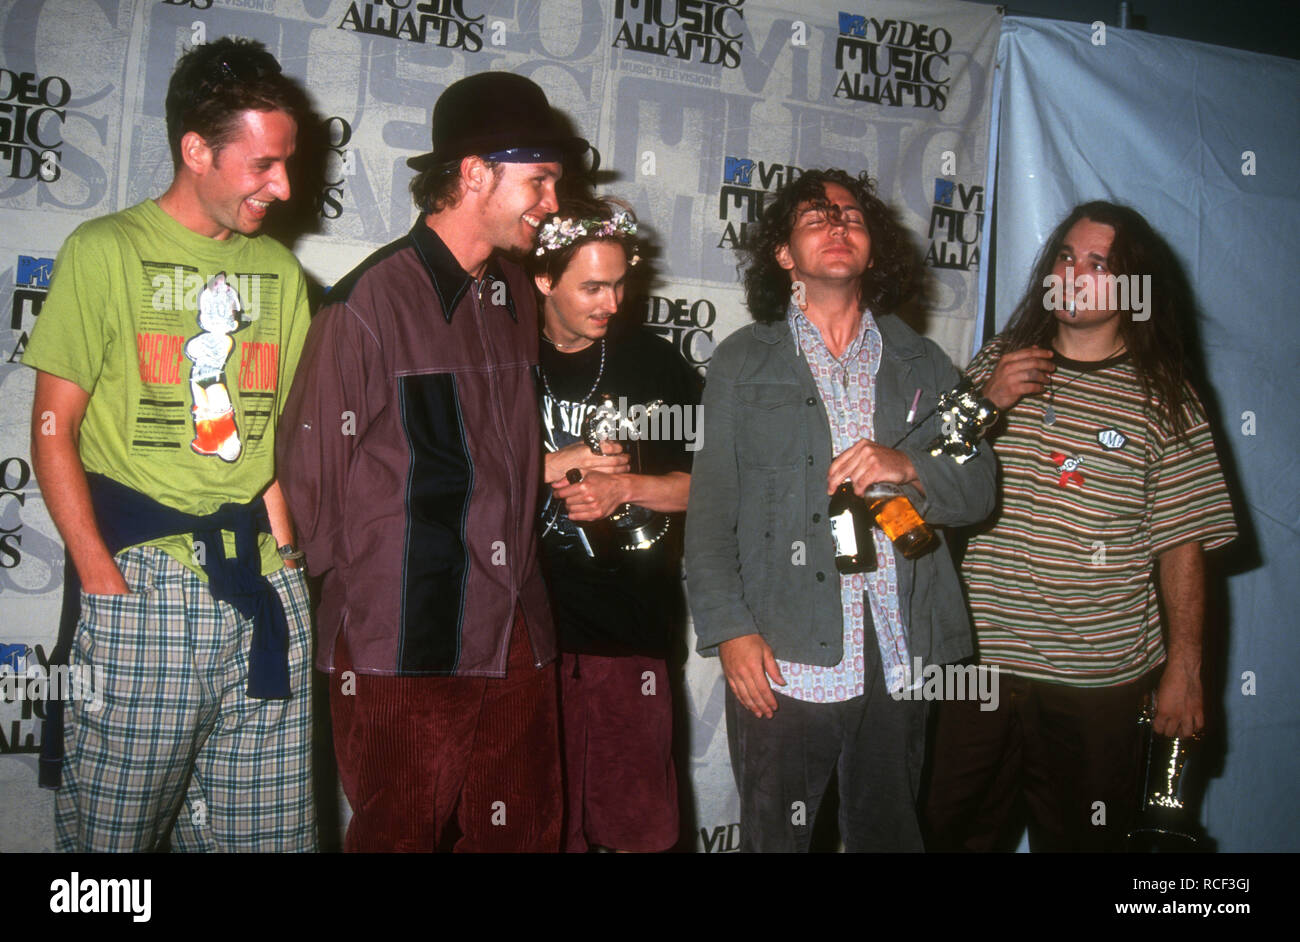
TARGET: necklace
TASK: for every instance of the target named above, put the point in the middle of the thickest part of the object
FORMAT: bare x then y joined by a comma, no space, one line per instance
599,374
1049,414
561,346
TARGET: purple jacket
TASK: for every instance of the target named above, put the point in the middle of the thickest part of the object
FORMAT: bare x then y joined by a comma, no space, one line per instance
410,455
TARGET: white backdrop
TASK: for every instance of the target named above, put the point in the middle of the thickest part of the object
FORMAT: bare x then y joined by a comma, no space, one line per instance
698,111
1168,126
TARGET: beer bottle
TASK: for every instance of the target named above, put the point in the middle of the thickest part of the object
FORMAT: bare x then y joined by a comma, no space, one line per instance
894,513
851,526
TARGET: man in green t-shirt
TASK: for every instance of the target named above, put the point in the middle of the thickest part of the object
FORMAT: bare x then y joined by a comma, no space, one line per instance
164,352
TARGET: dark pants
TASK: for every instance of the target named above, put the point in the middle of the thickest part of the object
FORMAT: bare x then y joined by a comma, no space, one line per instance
1061,750
413,751
783,766
620,783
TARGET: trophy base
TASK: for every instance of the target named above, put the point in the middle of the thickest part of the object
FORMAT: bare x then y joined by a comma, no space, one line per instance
1165,831
643,536
1157,840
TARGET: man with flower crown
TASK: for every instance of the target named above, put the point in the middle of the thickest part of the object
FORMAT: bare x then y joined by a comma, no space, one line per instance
611,524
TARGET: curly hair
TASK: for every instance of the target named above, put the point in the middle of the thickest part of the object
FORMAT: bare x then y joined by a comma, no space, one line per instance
884,286
1155,343
215,83
553,263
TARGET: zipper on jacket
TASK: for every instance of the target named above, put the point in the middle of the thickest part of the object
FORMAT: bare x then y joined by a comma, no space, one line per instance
477,297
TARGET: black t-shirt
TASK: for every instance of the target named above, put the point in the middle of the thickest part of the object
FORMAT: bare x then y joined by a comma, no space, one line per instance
630,605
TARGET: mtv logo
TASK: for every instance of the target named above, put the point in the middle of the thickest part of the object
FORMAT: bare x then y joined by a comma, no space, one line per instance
852,25
943,190
15,656
34,272
738,170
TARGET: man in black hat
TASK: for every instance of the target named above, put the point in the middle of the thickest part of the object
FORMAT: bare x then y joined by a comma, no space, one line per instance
410,456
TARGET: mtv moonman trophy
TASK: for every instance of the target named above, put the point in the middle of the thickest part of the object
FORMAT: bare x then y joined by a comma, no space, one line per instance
1163,823
634,527
966,419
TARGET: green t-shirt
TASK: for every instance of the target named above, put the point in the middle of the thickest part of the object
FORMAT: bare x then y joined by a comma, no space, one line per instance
187,346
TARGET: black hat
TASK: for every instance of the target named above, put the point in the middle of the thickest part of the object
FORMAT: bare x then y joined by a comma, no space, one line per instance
500,114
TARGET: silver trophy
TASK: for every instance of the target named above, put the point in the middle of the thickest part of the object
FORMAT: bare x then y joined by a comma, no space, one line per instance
1163,822
633,527
966,419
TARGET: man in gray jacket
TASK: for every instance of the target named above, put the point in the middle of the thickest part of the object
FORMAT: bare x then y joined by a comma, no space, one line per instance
823,388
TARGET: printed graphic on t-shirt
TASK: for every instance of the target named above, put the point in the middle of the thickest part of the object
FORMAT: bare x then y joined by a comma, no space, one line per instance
215,429
1069,465
218,416
562,424
563,421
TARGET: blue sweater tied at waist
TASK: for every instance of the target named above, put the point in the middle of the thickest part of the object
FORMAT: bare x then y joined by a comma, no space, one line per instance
127,518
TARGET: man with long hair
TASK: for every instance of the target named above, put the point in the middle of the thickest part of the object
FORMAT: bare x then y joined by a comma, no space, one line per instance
618,604
1111,491
153,442
815,393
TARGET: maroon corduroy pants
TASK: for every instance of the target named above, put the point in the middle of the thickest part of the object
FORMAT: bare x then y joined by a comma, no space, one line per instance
414,751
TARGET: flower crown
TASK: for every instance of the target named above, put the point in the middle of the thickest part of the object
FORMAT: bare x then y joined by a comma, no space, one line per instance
559,233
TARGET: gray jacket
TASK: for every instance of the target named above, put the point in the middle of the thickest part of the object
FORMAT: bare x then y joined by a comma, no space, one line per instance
759,556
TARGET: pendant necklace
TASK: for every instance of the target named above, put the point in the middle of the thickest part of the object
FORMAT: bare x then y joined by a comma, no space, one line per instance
1049,414
599,372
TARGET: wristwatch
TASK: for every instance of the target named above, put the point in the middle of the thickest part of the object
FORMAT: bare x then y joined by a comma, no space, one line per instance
290,551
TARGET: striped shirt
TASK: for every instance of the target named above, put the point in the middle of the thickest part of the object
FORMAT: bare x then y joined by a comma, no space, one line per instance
848,390
1060,580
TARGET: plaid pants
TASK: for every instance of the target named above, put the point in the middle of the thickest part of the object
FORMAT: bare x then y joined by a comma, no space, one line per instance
174,750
